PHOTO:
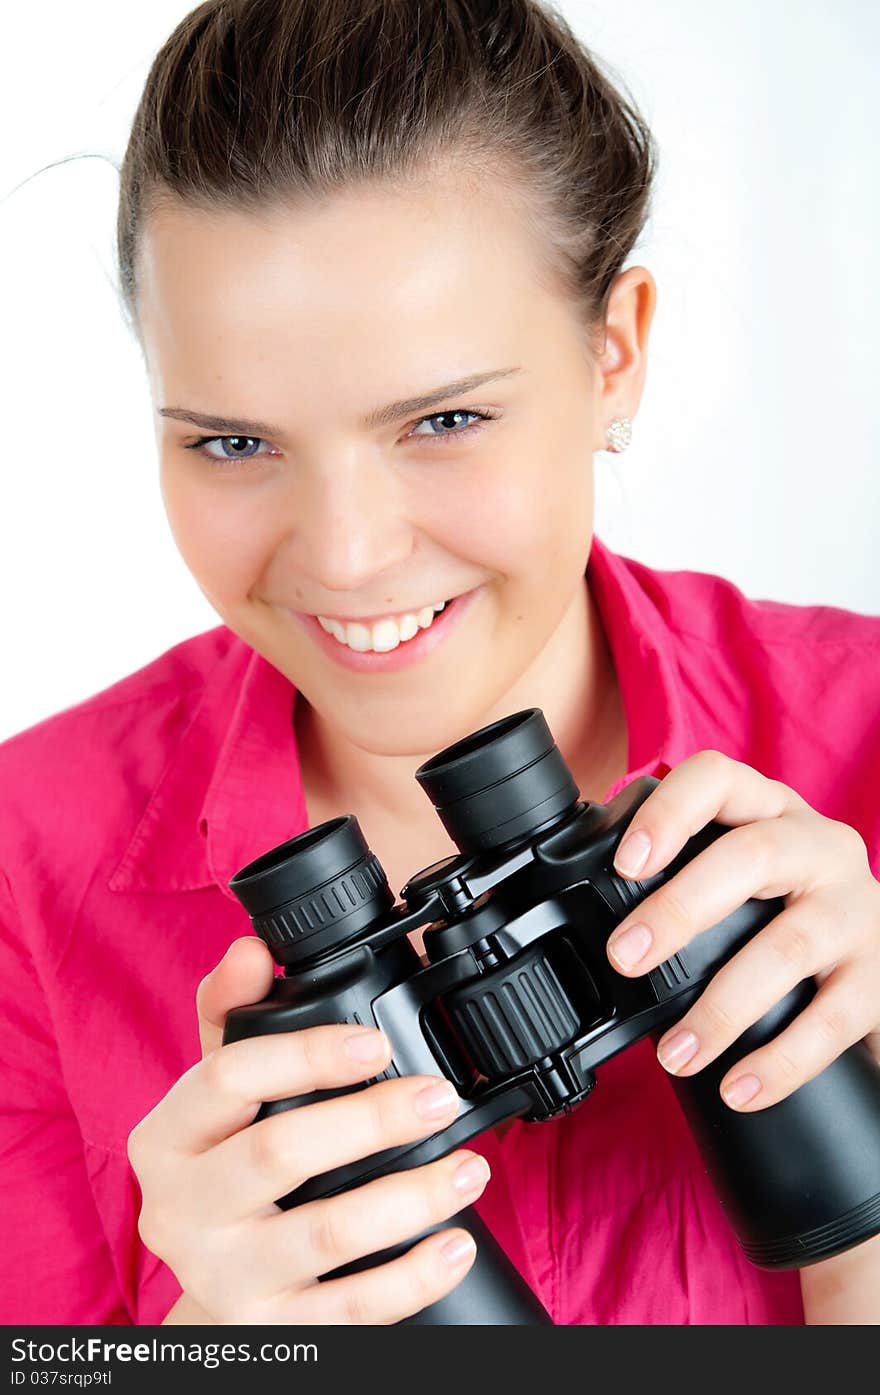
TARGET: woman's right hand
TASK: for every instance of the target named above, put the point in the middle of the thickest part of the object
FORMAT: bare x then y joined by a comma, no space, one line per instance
209,1176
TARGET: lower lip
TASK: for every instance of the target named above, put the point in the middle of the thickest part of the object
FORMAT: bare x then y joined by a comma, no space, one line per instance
408,651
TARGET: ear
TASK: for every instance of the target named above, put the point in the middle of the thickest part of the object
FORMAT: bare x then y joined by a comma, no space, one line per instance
621,359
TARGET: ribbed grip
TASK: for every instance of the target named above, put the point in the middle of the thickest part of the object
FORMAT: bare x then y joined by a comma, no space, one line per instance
322,908
514,1017
793,1251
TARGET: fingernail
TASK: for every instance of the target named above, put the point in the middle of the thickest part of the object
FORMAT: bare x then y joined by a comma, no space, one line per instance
633,853
471,1176
677,1050
631,945
458,1250
366,1046
741,1090
435,1101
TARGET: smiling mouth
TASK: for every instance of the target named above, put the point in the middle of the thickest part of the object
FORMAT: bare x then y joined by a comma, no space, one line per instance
381,636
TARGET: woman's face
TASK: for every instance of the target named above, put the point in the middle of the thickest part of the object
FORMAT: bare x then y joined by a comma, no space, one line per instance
295,327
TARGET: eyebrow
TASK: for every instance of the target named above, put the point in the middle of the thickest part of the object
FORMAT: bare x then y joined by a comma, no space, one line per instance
380,416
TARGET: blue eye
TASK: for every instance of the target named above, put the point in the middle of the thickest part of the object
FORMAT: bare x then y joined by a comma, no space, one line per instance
202,442
454,412
221,462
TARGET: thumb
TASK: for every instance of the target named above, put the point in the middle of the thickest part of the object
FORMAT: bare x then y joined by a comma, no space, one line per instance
244,975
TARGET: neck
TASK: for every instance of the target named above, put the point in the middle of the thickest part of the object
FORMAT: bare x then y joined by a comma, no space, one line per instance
572,680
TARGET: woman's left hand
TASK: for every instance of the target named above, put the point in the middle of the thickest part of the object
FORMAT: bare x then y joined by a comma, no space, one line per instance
830,929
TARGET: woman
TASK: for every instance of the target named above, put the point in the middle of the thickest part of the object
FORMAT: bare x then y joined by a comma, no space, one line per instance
397,252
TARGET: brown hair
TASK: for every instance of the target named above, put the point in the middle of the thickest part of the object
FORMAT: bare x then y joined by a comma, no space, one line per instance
252,104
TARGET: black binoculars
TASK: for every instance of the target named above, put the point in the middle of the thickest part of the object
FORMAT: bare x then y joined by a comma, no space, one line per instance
515,1002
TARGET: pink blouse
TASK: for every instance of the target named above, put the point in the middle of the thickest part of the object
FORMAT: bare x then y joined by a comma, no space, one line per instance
123,817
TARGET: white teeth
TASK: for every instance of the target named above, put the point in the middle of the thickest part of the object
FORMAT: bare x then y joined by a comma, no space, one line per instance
386,635
358,637
382,635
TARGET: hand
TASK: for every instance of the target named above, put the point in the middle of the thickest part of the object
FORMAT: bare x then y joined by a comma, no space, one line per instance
829,930
209,1175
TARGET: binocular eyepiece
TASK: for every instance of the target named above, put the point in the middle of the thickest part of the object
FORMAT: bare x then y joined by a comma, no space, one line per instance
321,889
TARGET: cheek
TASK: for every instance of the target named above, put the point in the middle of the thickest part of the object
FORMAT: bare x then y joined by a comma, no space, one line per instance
224,543
516,519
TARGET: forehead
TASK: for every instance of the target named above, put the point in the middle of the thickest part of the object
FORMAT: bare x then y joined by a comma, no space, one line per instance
372,254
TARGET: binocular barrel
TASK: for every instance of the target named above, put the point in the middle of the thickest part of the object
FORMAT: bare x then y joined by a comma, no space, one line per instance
799,1180
492,1292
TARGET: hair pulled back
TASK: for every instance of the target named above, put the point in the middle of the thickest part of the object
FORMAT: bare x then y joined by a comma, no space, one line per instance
251,105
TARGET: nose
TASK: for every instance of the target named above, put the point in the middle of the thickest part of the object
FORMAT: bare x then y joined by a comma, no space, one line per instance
349,525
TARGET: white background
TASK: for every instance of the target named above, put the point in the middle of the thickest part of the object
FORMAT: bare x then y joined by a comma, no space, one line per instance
754,452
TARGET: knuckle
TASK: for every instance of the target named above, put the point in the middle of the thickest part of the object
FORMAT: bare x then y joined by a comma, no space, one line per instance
420,1198
758,847
152,1231
385,1110
142,1144
793,944
674,910
355,1305
313,1048
717,1017
325,1232
269,1144
441,1199
136,1146
833,1022
221,1070
758,843
428,1272
786,798
853,844
787,1066
369,1119
713,761
203,986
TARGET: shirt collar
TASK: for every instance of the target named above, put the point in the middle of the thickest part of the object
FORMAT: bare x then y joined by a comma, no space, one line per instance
633,604
233,789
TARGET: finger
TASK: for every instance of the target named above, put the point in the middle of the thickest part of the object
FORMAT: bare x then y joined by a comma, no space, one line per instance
222,1093
829,1024
791,948
707,786
277,1154
772,857
244,975
386,1294
319,1236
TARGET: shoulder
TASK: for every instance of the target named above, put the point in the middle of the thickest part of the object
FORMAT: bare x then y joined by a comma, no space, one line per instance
716,612
76,769
792,690
164,682
772,657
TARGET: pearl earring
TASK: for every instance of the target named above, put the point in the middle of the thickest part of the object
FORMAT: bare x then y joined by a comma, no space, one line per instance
619,434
